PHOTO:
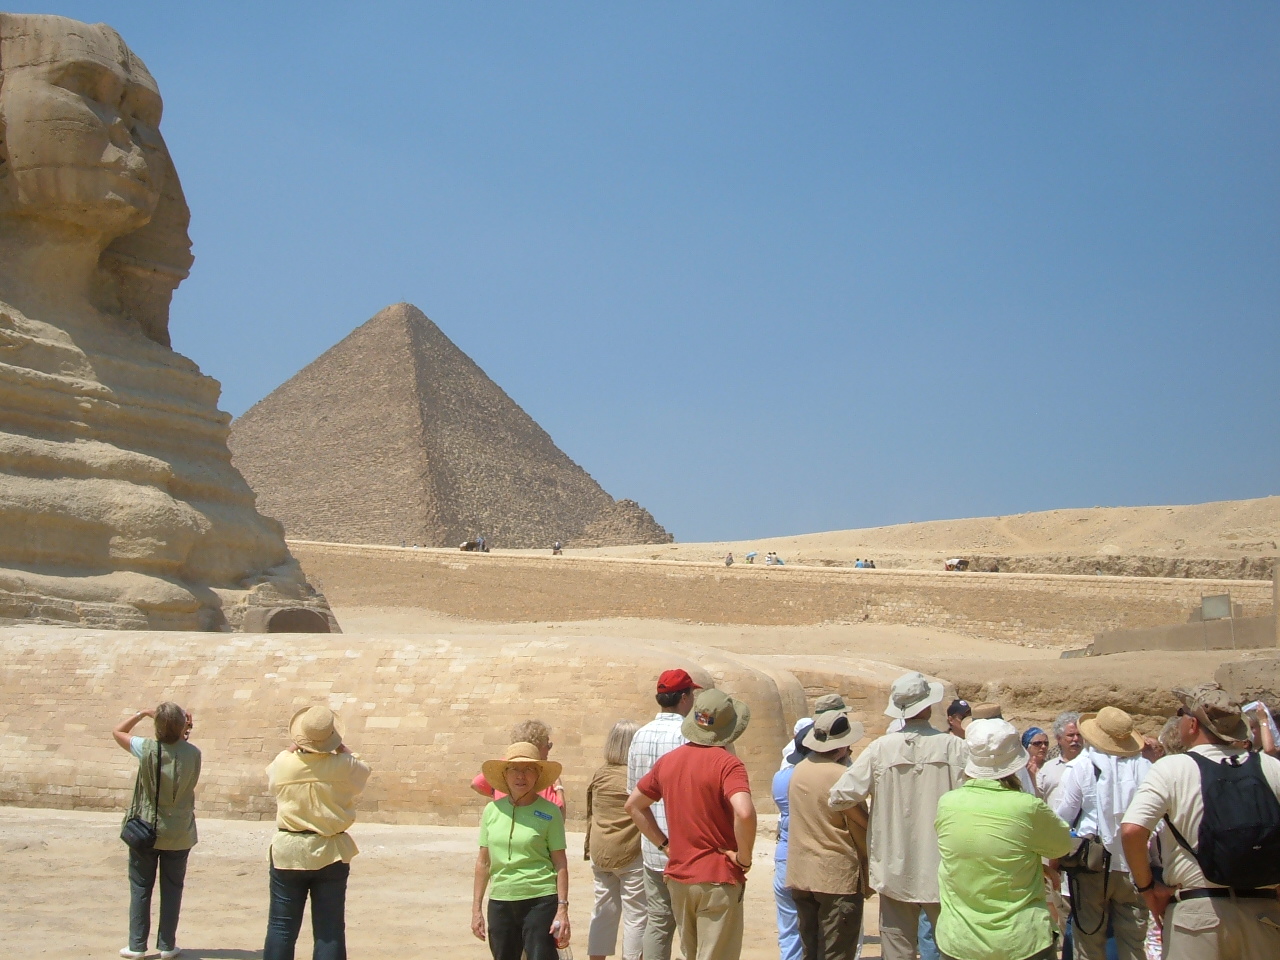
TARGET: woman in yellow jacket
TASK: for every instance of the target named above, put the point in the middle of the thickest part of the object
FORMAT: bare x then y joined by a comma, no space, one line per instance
316,781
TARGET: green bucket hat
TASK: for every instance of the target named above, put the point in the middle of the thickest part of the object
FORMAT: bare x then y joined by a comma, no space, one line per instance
716,719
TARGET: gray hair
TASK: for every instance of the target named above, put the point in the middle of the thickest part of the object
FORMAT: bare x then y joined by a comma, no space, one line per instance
618,745
531,731
1063,721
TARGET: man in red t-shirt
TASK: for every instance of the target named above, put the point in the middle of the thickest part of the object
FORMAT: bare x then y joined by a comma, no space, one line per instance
712,824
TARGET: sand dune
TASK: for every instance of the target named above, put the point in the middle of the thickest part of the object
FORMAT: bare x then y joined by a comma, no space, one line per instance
1206,539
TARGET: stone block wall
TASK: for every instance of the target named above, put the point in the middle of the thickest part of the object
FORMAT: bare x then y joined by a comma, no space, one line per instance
424,712
1041,609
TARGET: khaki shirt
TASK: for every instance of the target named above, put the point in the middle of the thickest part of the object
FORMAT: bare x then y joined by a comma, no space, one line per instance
613,839
904,774
826,849
315,804
1173,787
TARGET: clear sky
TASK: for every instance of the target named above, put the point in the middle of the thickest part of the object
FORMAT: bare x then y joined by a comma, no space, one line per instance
765,268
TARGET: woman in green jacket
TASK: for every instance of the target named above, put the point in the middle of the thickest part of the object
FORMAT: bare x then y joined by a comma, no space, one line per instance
173,809
992,837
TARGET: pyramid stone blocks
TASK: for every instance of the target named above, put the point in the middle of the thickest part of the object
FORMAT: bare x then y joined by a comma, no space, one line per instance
395,436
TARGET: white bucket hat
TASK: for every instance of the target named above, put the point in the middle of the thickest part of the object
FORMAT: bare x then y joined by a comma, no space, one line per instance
910,694
995,750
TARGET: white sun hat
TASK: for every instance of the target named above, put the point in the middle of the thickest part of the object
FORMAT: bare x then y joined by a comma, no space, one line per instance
995,750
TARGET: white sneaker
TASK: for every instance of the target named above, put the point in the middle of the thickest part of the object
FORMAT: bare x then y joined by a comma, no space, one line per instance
132,954
170,954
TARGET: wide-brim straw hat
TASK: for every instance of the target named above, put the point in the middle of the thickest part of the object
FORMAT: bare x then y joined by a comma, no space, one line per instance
910,694
1110,730
526,753
716,719
831,731
313,730
995,750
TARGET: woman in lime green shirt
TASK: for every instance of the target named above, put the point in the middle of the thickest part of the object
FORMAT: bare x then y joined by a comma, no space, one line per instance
522,861
992,837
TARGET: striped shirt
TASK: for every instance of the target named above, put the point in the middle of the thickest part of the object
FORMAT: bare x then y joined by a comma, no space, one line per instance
656,738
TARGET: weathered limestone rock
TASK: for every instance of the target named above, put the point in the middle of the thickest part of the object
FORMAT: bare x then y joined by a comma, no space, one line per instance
119,506
394,436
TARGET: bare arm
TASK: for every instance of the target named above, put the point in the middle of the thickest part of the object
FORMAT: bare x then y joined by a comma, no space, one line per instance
638,807
477,893
123,730
1135,839
560,925
744,827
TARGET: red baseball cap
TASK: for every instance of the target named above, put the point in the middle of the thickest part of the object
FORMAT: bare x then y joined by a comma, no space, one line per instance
676,681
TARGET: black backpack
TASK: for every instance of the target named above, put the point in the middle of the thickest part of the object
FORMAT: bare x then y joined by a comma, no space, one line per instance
1239,842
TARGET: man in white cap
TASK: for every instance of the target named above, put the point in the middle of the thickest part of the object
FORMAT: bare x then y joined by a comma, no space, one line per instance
904,774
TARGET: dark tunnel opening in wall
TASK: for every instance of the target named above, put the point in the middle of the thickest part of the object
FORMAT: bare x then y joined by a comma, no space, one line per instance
297,620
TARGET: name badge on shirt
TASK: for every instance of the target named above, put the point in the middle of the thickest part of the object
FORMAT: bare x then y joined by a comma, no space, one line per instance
543,815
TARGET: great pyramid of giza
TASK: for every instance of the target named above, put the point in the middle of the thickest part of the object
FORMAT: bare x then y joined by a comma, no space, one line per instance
395,436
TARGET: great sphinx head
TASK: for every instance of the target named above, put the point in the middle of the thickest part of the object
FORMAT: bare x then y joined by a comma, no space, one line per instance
81,155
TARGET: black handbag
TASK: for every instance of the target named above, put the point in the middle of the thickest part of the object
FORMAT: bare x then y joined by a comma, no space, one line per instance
136,832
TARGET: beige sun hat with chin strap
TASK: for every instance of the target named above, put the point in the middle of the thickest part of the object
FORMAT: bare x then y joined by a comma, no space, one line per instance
495,771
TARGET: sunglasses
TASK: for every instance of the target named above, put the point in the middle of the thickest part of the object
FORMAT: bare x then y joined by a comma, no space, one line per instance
1038,743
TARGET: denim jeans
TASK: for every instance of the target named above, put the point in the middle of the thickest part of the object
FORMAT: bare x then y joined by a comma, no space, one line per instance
927,946
788,926
517,926
328,889
143,865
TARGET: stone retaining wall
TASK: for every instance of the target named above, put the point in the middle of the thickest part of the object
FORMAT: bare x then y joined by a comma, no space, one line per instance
423,711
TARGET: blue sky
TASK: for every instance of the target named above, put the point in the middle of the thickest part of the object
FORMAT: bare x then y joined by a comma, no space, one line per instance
766,268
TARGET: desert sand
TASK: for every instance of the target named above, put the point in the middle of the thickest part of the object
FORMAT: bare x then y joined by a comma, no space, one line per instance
409,894
1123,537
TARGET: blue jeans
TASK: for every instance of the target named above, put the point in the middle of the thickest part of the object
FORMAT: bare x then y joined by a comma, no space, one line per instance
143,866
788,926
927,947
289,889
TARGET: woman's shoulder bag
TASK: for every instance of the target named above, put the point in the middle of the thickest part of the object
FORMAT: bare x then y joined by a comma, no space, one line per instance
136,832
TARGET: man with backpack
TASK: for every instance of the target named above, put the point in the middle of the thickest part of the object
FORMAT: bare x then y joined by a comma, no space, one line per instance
1220,805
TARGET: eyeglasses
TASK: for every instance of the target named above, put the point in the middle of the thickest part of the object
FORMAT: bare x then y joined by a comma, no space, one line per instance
1038,743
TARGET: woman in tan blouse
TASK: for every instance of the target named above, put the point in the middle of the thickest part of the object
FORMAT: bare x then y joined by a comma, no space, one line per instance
613,847
316,781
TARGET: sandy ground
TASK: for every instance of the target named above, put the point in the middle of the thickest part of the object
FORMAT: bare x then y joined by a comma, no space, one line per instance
888,642
410,892
1227,529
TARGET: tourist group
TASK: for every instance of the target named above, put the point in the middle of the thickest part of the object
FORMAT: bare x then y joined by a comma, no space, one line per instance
979,843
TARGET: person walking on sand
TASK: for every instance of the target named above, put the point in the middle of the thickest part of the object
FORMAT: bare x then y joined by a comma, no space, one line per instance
827,849
711,826
613,846
658,737
522,861
316,781
991,837
904,774
165,794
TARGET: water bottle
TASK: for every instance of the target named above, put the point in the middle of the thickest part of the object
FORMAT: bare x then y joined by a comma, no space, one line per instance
565,952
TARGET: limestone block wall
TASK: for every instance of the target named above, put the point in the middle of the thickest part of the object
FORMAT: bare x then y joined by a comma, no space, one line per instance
424,712
1043,609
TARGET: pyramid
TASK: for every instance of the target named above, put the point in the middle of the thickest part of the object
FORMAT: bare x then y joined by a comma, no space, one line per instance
395,436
